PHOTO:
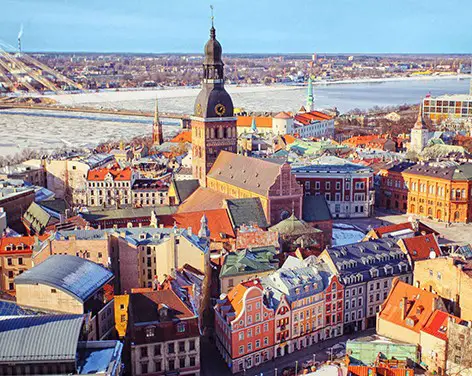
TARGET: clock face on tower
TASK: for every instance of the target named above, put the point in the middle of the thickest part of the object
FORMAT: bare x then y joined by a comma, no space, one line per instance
220,109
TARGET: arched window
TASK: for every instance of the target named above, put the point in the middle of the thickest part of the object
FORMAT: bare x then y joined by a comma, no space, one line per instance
412,209
212,132
421,209
430,211
438,214
456,216
220,132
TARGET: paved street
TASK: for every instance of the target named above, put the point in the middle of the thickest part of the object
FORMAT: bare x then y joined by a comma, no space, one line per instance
212,363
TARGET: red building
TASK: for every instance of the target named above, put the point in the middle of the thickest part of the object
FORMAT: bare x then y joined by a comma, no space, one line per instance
347,187
244,327
334,308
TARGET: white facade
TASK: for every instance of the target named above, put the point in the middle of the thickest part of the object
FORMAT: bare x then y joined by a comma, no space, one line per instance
282,126
318,129
419,139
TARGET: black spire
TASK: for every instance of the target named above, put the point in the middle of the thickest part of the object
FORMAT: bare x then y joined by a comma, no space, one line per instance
213,92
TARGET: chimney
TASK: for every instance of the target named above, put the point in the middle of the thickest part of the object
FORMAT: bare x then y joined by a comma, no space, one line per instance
403,303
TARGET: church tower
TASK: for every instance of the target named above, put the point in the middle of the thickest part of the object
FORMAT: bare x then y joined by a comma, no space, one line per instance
419,136
213,123
157,137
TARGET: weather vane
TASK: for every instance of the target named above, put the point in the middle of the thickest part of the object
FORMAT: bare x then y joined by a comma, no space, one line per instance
212,17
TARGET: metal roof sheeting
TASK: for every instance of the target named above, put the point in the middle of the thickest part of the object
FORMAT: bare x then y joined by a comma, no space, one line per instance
73,275
39,338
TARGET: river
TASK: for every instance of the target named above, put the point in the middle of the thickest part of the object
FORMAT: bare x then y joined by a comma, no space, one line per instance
50,130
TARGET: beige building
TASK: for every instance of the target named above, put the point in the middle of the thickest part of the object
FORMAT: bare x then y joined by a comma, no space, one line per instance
109,187
92,245
69,284
147,255
67,177
449,277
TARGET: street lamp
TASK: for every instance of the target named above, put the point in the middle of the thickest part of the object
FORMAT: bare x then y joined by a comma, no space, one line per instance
275,372
314,359
296,367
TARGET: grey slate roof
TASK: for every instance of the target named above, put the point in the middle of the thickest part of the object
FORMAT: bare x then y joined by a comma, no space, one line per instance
184,188
47,338
75,276
449,170
97,214
248,261
315,208
364,261
246,211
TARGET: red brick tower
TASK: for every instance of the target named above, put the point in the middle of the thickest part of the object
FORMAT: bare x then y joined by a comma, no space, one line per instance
213,124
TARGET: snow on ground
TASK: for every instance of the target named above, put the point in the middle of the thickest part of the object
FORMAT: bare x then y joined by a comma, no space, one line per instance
346,234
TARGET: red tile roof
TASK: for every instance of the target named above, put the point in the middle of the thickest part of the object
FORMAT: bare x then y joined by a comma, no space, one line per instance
117,174
310,117
261,121
437,324
26,242
218,222
420,247
420,304
380,231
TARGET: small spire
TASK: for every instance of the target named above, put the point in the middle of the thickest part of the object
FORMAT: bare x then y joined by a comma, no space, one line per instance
156,113
212,30
253,125
204,232
420,124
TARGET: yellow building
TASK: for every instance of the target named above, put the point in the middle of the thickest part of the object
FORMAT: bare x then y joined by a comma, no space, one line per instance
121,314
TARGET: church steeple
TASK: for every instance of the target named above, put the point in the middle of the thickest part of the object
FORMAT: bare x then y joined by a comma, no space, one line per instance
213,100
213,124
157,137
420,123
309,97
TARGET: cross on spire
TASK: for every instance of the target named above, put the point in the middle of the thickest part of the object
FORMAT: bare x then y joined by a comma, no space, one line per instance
212,16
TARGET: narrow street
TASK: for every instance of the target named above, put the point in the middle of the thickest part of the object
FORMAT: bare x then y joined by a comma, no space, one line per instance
213,364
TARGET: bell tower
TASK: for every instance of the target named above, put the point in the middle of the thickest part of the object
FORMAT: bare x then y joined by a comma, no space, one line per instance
213,123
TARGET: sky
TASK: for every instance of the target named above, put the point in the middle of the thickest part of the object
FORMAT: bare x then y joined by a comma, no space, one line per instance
243,26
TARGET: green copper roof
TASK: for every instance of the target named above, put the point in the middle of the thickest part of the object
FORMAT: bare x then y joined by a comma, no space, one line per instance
293,226
249,261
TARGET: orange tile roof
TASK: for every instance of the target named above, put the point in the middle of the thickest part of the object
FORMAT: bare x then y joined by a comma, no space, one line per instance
117,174
218,222
261,121
203,199
289,139
185,136
26,241
310,117
420,247
420,304
437,324
236,295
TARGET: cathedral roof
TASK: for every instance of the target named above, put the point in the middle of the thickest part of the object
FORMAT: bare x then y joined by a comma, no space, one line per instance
253,174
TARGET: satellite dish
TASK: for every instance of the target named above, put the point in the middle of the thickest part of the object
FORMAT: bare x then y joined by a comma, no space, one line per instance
432,255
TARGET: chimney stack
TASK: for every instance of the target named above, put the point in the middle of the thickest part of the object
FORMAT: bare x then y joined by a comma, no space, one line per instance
403,307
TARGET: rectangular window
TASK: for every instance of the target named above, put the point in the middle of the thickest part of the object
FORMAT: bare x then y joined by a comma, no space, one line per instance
182,362
157,350
338,185
241,349
171,348
317,185
144,352
327,185
181,346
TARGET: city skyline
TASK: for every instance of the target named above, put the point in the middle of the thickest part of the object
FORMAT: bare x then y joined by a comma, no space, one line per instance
342,26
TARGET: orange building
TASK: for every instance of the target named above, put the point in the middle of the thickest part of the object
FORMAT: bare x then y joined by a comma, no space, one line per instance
437,190
15,258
